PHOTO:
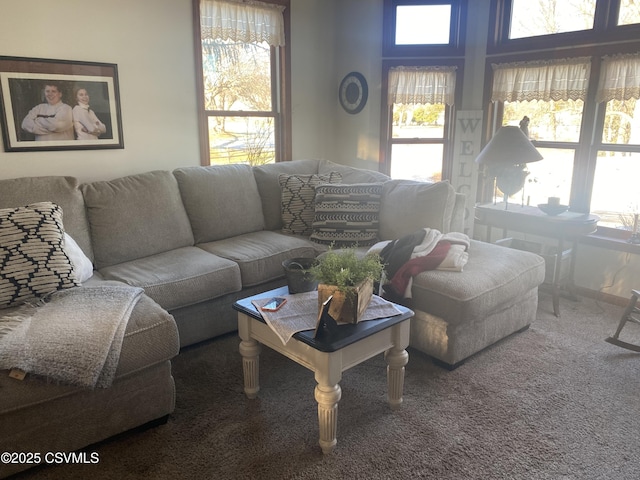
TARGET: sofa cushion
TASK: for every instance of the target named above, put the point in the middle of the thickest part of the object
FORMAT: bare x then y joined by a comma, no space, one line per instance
63,191
346,215
180,277
493,279
352,174
407,206
222,201
150,338
298,196
136,216
33,262
260,254
269,187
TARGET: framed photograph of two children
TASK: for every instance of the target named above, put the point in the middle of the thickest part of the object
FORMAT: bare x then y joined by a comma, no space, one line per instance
59,105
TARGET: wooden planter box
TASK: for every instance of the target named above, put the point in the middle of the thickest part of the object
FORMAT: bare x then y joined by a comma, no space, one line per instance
346,307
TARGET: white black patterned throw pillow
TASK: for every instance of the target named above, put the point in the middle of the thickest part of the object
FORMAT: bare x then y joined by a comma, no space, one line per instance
32,259
298,194
347,215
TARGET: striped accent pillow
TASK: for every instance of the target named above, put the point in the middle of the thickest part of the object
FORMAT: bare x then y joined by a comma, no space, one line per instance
298,195
346,215
33,262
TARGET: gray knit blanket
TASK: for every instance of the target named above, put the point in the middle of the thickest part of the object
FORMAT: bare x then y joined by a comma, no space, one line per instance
73,336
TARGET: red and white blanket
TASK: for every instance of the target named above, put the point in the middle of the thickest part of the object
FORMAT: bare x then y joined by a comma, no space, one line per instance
425,249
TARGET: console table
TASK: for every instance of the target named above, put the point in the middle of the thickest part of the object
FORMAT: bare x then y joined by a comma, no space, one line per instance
565,227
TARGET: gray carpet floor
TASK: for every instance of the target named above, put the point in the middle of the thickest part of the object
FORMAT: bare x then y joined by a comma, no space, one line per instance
552,402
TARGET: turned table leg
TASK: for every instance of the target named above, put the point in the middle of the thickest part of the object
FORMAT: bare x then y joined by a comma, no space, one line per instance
328,373
396,360
328,397
397,357
250,351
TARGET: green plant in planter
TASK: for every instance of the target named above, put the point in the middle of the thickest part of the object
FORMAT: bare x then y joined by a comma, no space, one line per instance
348,279
344,268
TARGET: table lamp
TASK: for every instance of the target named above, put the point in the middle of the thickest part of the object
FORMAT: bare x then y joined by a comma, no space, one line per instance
506,156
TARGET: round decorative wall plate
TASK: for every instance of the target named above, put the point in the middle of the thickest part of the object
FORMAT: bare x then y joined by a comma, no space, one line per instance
353,92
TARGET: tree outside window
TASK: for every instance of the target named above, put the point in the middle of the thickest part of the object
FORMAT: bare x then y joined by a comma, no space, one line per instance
237,81
243,100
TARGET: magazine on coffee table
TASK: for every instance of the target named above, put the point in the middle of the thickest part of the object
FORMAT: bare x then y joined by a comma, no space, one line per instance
300,312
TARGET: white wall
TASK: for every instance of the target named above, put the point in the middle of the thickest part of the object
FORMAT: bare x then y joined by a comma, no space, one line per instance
359,41
151,43
331,38
313,45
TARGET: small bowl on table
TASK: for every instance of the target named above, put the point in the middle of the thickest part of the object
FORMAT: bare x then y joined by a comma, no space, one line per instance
553,210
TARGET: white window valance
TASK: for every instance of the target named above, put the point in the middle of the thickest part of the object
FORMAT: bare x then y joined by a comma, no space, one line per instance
619,78
248,22
422,85
565,79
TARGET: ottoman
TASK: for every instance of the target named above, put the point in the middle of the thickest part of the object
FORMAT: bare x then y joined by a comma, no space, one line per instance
458,314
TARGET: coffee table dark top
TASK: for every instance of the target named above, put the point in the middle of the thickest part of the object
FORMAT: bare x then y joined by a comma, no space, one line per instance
343,336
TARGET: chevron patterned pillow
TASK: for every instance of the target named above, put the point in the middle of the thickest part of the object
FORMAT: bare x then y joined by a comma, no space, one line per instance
32,259
298,196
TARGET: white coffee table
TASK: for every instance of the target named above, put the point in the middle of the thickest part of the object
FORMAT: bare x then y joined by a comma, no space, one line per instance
326,357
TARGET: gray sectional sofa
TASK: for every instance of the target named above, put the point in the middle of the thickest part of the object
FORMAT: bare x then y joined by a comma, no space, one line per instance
199,238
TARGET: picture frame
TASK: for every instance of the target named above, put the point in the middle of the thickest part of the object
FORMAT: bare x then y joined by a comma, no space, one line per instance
44,108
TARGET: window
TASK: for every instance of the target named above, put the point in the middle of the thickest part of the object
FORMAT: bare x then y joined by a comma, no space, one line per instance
423,28
419,102
589,135
629,12
615,195
242,53
551,95
410,24
521,25
423,50
530,18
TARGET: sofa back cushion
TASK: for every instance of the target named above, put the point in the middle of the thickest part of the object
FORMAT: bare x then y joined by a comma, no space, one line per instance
63,191
136,216
352,174
222,201
269,187
407,206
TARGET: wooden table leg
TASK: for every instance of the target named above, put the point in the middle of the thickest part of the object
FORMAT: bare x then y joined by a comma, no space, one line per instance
328,397
556,278
250,351
328,373
397,357
396,360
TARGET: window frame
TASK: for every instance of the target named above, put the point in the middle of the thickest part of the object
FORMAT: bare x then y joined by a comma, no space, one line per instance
456,31
607,38
386,118
605,29
280,90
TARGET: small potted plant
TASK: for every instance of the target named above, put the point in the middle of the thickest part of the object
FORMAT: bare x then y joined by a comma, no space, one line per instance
349,277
